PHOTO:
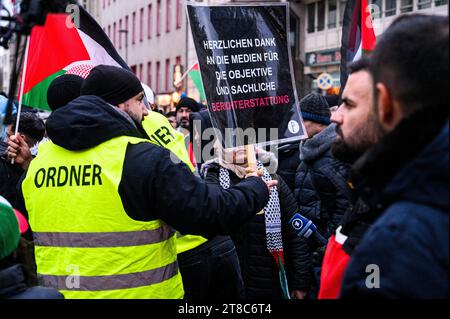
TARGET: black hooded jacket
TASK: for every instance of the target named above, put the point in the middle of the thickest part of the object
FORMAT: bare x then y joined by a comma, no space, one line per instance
152,186
403,180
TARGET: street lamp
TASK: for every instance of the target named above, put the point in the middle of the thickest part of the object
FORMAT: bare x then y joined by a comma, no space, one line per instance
126,43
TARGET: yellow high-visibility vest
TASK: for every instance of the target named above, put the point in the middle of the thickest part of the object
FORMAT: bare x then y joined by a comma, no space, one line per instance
161,133
86,245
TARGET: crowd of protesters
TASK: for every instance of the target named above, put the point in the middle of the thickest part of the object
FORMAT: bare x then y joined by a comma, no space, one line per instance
116,194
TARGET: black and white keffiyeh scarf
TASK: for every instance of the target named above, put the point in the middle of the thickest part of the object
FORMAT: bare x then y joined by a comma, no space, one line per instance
272,213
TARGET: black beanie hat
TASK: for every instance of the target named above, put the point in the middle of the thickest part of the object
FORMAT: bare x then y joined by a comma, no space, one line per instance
113,84
315,108
64,89
189,103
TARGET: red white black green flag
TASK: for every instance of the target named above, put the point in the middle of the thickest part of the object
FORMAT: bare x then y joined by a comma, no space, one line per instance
358,35
60,47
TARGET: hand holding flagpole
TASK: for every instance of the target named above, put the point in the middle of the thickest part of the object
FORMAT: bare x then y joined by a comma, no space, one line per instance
22,84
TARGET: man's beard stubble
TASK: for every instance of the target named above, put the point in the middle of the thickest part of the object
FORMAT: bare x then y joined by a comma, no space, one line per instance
362,139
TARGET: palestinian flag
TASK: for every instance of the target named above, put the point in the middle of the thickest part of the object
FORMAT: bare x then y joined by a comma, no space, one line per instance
196,77
60,47
358,35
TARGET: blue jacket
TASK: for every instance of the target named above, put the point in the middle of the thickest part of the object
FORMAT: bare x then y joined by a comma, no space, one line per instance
13,286
408,246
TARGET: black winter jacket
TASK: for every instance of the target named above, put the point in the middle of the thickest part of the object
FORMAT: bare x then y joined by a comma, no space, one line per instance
152,186
321,188
259,271
9,177
404,181
288,162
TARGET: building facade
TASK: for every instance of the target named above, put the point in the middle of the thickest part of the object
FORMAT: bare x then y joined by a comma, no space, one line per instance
151,36
323,30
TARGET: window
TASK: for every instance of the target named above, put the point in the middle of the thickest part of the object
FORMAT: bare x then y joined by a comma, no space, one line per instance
168,75
141,25
114,33
391,8
158,18
149,74
423,4
332,14
168,13
133,29
133,69
120,34
342,5
158,71
438,3
311,17
149,22
406,6
376,8
321,15
179,12
141,70
109,32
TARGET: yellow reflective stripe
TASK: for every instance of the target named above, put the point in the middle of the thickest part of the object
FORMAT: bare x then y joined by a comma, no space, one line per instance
113,282
169,289
104,261
110,239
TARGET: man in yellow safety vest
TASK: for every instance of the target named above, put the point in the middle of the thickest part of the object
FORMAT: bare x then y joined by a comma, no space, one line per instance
102,200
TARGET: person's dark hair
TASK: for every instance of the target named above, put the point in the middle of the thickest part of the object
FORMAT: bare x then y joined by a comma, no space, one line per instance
171,114
359,65
3,94
31,125
411,59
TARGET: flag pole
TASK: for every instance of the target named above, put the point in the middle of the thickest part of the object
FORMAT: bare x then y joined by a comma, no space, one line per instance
185,74
22,84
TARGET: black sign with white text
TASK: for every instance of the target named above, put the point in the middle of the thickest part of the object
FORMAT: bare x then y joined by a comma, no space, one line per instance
246,69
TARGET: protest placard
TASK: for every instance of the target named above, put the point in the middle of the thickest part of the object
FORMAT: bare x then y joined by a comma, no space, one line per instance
245,63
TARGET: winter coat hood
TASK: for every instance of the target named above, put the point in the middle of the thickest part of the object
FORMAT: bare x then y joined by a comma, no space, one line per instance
87,122
318,145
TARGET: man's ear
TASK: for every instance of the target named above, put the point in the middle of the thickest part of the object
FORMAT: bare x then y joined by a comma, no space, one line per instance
389,112
121,106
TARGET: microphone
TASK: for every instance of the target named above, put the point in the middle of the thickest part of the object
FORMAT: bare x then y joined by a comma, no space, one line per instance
305,228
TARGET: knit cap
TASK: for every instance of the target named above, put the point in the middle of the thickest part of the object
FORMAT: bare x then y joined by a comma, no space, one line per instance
315,108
